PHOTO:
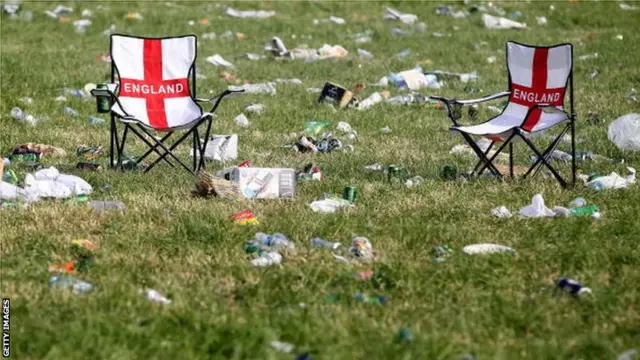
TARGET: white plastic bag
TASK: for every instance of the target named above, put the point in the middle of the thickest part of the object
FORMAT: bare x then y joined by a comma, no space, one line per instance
77,185
537,208
624,132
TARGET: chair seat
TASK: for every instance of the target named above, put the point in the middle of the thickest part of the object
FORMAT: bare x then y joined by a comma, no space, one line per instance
504,123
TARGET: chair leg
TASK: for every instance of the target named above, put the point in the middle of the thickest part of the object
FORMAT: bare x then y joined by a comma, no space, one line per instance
153,148
511,160
477,167
562,182
168,151
481,156
203,148
195,150
547,154
121,147
490,161
113,135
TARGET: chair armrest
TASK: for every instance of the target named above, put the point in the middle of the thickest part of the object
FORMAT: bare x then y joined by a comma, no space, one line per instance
454,106
472,101
216,99
550,109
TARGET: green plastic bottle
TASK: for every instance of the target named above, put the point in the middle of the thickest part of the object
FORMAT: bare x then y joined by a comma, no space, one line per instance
587,210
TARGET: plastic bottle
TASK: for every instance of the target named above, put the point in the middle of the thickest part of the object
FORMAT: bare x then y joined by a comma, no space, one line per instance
276,241
320,243
578,202
572,286
265,88
102,206
70,111
79,287
373,99
587,210
401,99
17,114
267,259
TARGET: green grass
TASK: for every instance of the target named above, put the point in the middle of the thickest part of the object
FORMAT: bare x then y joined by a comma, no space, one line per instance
222,307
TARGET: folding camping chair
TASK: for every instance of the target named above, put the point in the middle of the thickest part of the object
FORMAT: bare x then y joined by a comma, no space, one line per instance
156,92
538,78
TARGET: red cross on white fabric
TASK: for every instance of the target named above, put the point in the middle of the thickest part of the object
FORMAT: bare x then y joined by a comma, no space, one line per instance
538,93
153,88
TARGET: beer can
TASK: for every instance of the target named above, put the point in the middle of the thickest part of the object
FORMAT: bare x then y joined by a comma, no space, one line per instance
103,102
350,193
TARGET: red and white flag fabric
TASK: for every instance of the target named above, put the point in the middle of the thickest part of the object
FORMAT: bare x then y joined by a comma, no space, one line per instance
154,80
538,75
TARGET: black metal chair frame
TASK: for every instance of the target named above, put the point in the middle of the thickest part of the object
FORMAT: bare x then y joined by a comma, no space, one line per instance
485,163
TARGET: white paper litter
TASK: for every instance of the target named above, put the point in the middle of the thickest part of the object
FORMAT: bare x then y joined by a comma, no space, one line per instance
155,296
478,249
241,120
501,212
257,109
393,14
253,14
495,22
537,208
217,60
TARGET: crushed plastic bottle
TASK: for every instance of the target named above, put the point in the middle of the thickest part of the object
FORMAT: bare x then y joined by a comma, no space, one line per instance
320,243
589,56
572,287
102,206
94,120
275,241
70,111
267,259
62,281
372,100
155,296
20,115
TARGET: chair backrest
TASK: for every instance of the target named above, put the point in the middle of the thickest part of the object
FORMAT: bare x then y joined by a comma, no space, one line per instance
537,75
155,75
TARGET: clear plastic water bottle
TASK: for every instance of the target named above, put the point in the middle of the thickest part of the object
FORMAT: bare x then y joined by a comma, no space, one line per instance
373,99
102,206
267,259
70,111
278,241
79,287
17,114
320,243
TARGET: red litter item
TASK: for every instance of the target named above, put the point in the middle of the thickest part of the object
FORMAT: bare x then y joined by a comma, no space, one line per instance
245,217
247,163
365,275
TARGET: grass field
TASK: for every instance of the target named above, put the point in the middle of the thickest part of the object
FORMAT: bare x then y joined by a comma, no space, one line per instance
496,307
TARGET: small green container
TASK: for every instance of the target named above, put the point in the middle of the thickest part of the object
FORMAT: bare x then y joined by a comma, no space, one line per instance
449,172
350,194
393,172
102,102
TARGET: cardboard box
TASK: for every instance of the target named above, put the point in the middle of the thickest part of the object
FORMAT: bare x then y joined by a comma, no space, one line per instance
265,183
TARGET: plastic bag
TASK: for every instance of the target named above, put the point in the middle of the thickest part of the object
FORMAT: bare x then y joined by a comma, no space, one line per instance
624,132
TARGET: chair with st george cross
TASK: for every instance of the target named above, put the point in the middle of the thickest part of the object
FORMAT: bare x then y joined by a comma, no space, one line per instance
155,92
538,80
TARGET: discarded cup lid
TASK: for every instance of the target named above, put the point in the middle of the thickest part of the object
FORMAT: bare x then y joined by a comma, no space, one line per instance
88,87
477,249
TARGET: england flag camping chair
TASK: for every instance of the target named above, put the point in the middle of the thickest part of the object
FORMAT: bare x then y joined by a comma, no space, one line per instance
156,93
538,79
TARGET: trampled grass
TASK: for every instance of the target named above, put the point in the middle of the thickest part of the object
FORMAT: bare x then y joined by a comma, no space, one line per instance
496,307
